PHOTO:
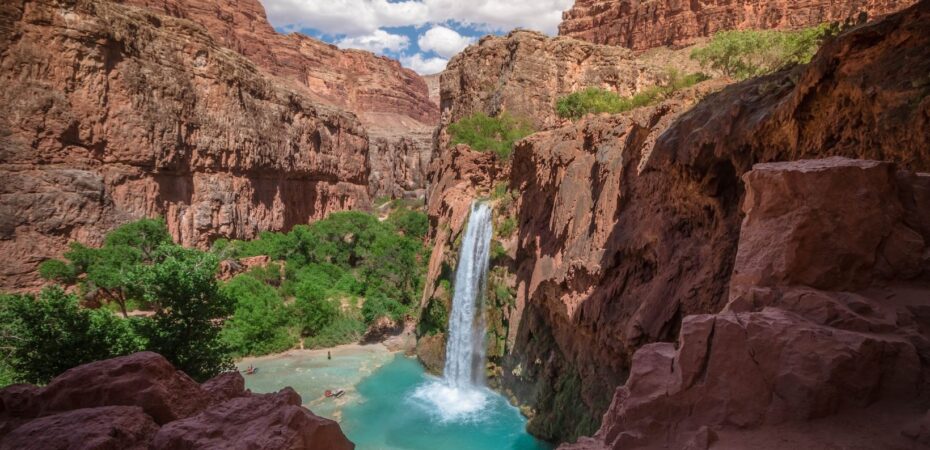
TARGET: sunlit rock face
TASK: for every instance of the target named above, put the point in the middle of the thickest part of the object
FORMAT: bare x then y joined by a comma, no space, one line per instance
641,25
117,111
141,401
394,104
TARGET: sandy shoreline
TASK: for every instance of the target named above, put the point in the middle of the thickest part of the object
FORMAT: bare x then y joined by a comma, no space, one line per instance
341,350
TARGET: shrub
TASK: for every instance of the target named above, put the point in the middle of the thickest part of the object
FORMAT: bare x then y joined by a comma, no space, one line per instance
342,330
495,134
507,226
379,305
189,310
435,318
597,100
413,224
260,322
751,53
47,335
314,313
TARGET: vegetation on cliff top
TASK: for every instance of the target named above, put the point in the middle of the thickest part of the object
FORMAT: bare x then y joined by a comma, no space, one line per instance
596,100
751,53
496,134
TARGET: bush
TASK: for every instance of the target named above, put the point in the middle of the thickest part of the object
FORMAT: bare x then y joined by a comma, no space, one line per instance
313,314
496,134
597,100
751,53
435,318
189,310
414,224
507,226
50,334
342,330
260,322
379,305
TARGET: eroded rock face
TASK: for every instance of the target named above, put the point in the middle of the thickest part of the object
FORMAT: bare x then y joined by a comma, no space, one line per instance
394,104
641,25
630,223
807,338
525,72
141,401
113,113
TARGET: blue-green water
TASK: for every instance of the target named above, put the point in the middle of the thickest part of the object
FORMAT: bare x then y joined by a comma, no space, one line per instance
391,415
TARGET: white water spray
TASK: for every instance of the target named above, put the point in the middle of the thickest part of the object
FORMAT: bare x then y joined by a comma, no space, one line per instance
460,393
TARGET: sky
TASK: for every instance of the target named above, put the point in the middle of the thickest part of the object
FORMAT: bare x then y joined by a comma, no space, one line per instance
421,34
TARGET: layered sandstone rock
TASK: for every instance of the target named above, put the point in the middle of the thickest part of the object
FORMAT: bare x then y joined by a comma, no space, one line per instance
630,223
394,104
113,113
806,334
525,72
141,401
641,25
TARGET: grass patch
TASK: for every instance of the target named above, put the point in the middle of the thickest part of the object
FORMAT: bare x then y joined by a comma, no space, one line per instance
752,53
490,134
596,100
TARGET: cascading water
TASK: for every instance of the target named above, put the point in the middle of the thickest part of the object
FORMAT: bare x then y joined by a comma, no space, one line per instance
460,393
465,343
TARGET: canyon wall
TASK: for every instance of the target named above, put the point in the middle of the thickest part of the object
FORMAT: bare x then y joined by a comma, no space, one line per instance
629,225
393,103
641,25
197,111
525,72
113,113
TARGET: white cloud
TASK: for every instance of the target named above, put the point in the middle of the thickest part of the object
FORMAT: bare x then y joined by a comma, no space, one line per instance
358,17
378,41
424,65
345,17
446,42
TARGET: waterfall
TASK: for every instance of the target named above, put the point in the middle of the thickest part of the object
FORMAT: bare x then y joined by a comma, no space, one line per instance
460,395
465,341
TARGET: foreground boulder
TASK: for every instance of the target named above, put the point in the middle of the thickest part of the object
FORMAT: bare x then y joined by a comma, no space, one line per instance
827,316
141,401
270,421
109,427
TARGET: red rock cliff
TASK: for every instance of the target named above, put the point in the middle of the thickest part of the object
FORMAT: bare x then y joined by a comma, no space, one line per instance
642,25
393,103
112,113
629,224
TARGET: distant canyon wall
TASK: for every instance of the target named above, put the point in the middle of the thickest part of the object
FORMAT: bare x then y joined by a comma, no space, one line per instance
112,113
641,24
196,111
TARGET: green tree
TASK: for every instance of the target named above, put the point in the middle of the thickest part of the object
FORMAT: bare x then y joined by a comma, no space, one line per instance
189,310
751,53
47,335
105,270
414,224
260,322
